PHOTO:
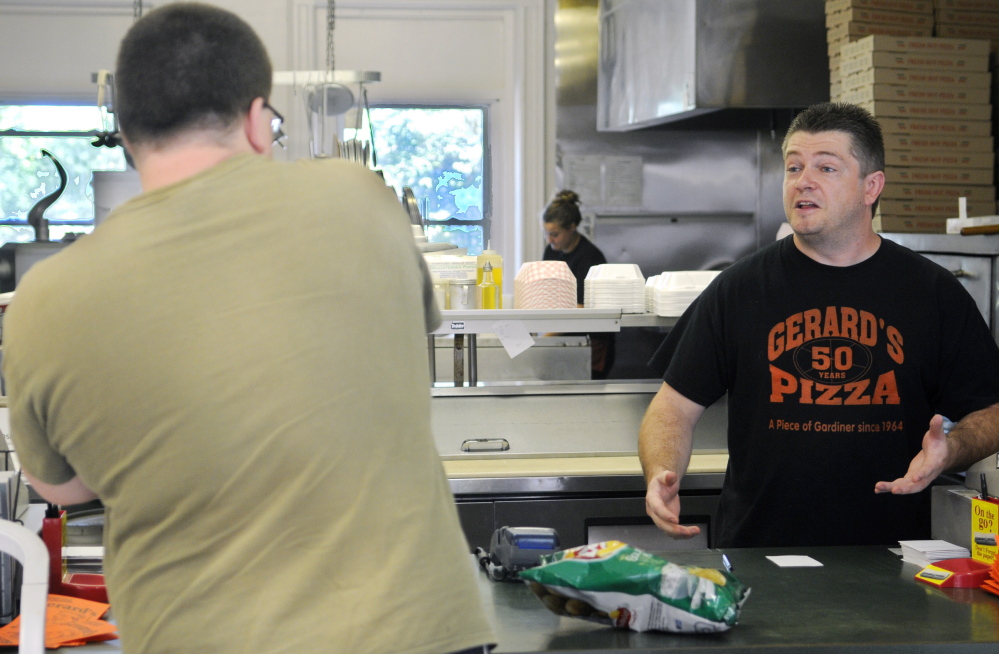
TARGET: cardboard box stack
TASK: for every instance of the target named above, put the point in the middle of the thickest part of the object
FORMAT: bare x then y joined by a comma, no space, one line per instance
932,98
968,19
850,20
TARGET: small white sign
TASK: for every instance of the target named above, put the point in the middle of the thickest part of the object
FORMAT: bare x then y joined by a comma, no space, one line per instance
513,335
457,325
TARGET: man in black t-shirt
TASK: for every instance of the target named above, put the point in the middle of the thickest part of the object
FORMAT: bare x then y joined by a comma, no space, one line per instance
836,349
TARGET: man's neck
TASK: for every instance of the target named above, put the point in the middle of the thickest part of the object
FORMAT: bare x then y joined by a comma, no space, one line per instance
848,251
185,156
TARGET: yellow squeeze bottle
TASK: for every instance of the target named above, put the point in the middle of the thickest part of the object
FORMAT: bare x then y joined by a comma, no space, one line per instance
496,260
488,290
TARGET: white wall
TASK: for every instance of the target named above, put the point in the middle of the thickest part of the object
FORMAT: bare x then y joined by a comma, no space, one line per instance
496,53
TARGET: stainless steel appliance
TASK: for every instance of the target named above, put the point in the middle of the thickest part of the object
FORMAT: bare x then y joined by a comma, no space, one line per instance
17,258
578,431
664,61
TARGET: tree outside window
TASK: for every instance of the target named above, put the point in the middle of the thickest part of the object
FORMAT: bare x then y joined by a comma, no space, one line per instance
439,152
66,132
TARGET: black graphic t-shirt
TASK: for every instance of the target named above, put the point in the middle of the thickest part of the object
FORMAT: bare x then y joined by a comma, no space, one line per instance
833,374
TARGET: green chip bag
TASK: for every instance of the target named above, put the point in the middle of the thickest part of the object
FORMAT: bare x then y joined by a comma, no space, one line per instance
618,585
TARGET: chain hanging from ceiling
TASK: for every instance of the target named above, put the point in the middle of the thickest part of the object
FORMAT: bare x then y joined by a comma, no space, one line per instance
330,26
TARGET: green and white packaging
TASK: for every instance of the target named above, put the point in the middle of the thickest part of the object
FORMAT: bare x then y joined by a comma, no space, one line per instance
621,586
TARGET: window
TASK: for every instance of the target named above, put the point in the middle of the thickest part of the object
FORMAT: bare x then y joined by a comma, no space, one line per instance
66,132
439,152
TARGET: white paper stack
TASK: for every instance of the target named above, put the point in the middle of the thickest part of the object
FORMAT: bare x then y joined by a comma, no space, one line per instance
544,285
675,290
615,286
925,552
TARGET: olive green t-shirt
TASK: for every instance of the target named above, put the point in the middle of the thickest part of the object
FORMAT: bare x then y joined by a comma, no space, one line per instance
236,364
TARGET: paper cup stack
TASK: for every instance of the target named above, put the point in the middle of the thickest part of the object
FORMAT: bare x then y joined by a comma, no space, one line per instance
615,286
544,285
675,290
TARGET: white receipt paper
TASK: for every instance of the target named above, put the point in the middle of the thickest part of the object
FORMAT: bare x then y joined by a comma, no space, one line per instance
795,561
513,335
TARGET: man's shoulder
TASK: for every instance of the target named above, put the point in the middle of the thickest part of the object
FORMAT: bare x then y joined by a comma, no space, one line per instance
753,266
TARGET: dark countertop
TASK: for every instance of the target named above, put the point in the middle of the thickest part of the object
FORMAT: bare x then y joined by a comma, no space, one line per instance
863,599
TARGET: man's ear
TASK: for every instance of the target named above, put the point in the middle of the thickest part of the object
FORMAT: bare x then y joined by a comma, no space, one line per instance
873,185
257,127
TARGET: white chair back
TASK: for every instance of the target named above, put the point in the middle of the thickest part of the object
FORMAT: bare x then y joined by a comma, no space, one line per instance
29,549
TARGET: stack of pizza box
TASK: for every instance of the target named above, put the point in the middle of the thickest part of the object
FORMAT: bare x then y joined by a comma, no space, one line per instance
850,20
968,19
931,96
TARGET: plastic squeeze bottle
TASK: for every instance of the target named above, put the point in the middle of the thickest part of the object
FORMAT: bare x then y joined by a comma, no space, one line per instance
488,290
496,260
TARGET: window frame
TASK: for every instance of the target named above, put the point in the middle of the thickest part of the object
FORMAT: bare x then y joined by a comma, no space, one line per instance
6,221
487,169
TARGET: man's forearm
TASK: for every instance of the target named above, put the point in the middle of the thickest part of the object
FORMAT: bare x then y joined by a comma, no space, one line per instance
972,439
665,438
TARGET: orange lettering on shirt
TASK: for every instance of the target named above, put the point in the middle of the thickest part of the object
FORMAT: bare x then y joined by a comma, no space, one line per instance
868,329
781,384
794,331
856,390
813,326
886,390
831,327
828,394
775,342
895,345
806,391
848,324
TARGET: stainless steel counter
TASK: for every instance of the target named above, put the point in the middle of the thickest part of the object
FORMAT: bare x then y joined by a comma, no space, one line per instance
545,419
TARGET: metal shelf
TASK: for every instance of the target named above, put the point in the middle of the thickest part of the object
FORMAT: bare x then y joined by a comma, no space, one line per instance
482,321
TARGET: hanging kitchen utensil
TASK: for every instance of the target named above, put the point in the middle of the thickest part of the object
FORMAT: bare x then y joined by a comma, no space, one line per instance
411,205
327,100
35,215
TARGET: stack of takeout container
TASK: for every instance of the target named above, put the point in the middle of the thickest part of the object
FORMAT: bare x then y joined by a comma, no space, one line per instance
932,99
615,286
544,285
676,290
650,294
850,20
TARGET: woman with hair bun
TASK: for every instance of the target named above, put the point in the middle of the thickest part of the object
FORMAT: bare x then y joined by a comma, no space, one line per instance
565,243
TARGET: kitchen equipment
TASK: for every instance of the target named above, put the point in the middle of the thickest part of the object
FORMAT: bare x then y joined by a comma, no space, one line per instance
462,294
663,61
513,549
17,258
83,585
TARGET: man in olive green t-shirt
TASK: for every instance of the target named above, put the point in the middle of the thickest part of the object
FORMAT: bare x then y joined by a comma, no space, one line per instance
234,363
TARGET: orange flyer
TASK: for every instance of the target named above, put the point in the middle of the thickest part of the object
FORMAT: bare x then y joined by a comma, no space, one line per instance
69,621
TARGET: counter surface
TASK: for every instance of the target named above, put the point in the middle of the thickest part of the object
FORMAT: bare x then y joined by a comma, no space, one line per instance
861,600
570,466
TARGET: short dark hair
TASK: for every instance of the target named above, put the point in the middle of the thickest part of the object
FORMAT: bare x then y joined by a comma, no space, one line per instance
868,145
187,66
564,210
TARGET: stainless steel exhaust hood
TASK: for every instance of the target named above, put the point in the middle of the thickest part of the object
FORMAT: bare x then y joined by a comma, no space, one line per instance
667,60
